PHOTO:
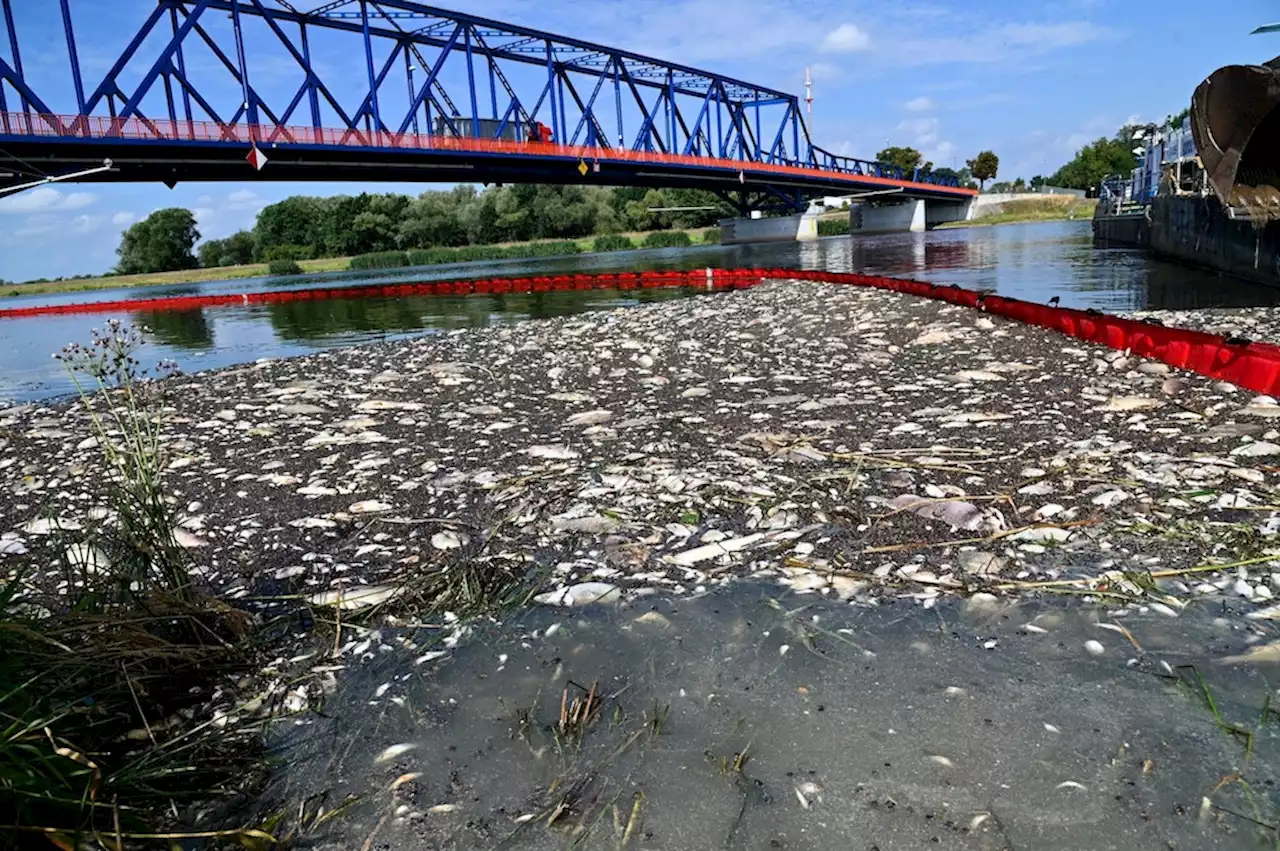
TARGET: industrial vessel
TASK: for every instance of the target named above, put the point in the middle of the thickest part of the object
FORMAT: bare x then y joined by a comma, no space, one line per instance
1205,191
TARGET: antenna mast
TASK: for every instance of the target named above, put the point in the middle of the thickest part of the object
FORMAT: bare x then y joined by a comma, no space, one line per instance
808,97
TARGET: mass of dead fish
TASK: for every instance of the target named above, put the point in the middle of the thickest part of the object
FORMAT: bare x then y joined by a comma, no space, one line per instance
835,440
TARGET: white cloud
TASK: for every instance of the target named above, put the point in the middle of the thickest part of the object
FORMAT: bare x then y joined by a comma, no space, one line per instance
925,135
825,71
920,104
1053,36
124,218
846,38
242,196
923,131
85,224
45,199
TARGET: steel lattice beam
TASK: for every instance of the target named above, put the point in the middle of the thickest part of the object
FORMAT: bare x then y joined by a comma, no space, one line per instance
419,62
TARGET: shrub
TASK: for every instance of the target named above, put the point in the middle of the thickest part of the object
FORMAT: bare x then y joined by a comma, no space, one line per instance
284,267
544,249
379,260
125,621
289,252
833,227
711,236
612,242
667,239
431,256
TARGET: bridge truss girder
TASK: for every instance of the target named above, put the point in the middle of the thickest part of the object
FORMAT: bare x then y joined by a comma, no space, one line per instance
587,94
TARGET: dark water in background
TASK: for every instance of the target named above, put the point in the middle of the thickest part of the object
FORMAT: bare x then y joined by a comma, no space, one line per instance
1034,262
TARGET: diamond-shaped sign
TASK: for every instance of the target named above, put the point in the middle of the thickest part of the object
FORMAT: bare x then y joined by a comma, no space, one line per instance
256,158
582,167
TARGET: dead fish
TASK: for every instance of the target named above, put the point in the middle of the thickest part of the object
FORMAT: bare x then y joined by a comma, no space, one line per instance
1259,654
393,752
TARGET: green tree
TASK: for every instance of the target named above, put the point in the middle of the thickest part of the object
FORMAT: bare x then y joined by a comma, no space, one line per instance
336,232
985,166
1037,181
236,250
433,219
161,242
907,159
298,220
695,218
210,253
1097,160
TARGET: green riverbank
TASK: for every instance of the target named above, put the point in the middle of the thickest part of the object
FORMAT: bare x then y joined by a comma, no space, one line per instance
505,251
1052,209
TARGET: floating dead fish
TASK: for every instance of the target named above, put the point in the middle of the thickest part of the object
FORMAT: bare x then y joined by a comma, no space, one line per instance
369,506
582,594
393,752
356,597
388,405
552,453
448,540
1259,654
49,525
403,779
1130,403
719,548
188,541
589,418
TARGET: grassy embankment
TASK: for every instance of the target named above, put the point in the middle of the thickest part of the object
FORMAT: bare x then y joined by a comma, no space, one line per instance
1049,209
510,250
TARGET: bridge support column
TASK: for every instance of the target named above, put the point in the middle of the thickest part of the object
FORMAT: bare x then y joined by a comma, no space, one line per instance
798,228
898,217
939,212
913,216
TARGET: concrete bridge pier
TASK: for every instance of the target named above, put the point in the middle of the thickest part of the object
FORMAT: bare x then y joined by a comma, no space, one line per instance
800,227
913,215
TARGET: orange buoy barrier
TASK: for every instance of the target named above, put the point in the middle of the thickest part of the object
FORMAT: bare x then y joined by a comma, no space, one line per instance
1246,363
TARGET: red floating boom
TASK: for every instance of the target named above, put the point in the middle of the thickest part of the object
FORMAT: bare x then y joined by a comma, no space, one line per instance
1252,365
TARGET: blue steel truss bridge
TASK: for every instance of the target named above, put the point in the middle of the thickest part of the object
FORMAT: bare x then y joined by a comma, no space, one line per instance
382,90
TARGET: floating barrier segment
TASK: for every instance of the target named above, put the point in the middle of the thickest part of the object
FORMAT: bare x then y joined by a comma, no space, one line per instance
719,279
1245,363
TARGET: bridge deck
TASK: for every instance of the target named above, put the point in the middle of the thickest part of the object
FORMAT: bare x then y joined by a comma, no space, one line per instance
156,150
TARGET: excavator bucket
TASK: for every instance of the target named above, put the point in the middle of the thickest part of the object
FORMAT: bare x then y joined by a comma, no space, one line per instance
1235,121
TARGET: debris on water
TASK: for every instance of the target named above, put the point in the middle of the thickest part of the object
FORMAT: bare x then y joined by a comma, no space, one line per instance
1094,647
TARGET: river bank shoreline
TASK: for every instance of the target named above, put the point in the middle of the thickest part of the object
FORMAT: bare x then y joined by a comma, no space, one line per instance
309,267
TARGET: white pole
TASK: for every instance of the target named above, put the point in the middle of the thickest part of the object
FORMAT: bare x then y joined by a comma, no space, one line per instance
10,190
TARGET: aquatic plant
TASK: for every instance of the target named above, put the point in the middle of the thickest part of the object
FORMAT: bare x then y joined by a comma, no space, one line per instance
133,549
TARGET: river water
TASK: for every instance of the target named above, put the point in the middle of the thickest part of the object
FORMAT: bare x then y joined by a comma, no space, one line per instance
749,718
1033,261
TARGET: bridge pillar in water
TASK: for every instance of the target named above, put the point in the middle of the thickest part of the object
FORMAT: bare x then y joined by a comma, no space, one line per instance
798,228
910,216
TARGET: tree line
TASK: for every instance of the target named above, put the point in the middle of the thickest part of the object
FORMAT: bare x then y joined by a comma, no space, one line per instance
305,227
981,168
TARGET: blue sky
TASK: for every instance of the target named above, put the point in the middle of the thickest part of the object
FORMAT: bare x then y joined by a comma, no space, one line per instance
1031,80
